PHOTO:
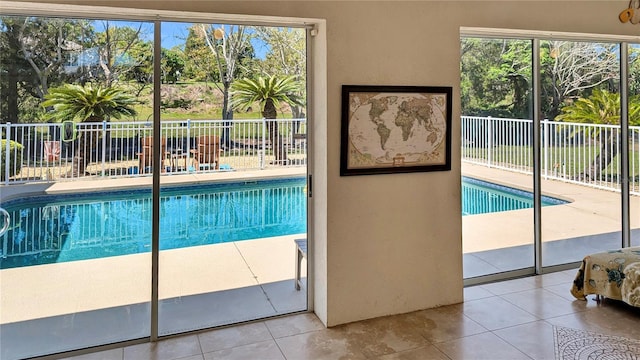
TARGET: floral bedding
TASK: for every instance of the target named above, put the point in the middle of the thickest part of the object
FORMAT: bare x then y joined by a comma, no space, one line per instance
614,274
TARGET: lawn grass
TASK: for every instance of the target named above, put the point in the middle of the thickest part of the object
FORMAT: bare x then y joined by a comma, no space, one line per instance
568,160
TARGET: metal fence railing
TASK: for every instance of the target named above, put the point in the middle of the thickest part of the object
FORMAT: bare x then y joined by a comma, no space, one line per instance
587,154
68,151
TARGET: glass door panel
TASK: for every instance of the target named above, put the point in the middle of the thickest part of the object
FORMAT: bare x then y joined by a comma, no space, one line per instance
497,201
75,263
580,142
233,180
634,143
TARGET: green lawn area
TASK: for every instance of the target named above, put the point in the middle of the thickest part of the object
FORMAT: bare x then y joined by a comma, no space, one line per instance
569,160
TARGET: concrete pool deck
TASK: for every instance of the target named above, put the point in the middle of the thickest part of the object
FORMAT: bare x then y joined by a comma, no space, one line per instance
591,211
79,286
72,287
503,241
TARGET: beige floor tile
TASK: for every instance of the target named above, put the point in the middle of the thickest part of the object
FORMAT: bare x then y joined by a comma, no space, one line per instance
449,332
496,313
486,346
264,350
384,335
328,344
609,317
428,352
551,279
293,325
234,336
476,292
562,290
113,354
544,304
510,286
444,323
169,349
194,357
534,339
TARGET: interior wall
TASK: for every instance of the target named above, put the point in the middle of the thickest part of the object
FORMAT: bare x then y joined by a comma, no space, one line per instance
389,244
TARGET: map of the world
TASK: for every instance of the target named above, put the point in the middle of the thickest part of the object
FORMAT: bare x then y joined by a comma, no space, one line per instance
396,129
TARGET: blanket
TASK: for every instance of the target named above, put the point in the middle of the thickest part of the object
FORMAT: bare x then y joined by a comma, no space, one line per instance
614,274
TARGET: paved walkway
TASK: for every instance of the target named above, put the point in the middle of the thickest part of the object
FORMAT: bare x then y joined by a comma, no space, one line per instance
503,241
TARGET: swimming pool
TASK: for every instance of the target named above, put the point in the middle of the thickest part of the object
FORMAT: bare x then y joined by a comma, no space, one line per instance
481,197
58,228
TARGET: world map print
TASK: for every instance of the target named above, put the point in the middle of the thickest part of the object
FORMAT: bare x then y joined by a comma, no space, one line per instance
396,129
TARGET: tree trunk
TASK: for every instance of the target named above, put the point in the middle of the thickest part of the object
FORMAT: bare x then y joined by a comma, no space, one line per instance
12,96
604,158
227,114
270,113
83,153
79,162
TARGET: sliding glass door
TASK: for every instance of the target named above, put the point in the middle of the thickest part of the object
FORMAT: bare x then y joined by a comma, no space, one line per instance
75,267
579,147
131,158
497,186
227,242
633,51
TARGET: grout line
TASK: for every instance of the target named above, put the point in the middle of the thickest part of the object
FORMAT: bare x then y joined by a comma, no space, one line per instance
255,277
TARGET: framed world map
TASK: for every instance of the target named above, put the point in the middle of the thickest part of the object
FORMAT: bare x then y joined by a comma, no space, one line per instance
395,129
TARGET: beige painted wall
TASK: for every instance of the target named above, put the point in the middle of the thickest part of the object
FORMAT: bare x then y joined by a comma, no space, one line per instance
392,243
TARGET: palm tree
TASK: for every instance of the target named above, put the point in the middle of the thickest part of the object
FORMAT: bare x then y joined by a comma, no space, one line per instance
87,104
602,107
269,92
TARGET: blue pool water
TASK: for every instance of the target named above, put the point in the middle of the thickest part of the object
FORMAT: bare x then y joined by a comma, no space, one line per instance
48,229
481,197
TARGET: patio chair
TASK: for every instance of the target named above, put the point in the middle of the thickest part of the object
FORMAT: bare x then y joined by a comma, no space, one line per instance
207,152
51,150
145,156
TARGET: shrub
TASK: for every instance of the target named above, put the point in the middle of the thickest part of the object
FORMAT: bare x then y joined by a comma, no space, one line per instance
15,158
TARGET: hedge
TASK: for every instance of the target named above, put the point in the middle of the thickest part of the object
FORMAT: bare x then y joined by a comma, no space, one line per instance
15,152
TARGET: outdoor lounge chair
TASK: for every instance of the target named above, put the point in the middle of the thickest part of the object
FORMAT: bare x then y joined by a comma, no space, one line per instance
145,156
51,150
207,152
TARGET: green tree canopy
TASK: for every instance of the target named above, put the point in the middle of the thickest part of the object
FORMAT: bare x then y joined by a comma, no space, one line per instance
287,54
603,108
496,77
268,93
91,104
88,103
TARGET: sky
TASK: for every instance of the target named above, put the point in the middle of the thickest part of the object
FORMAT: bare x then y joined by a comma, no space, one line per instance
174,34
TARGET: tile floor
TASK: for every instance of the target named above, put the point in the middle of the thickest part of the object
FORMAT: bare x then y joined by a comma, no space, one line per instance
505,320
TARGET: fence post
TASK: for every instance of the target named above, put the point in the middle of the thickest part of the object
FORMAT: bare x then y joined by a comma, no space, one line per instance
104,146
545,146
261,152
7,149
186,164
489,141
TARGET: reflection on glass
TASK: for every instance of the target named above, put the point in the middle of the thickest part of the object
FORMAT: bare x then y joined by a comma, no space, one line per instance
634,143
228,257
580,149
59,290
497,232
